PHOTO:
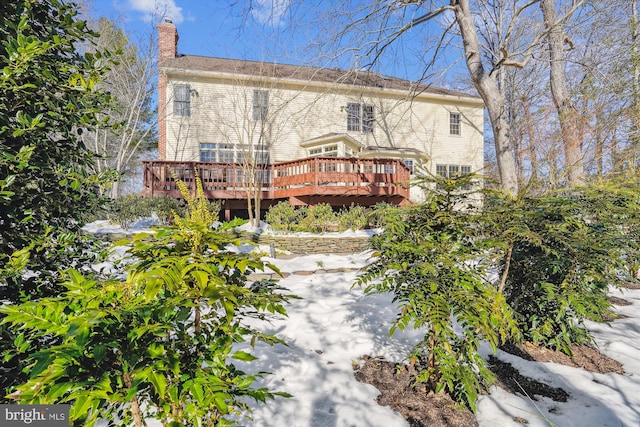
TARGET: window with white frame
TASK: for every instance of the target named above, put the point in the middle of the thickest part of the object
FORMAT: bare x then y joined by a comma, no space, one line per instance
325,151
232,153
410,164
208,152
226,153
454,124
182,100
360,117
330,150
260,104
262,154
367,118
451,171
353,116
252,154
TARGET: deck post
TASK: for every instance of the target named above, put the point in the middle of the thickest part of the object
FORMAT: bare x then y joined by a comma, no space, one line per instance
315,175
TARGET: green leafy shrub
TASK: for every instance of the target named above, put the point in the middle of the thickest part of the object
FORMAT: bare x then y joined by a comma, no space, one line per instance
165,208
319,218
125,210
160,344
49,92
353,218
283,216
562,252
428,260
382,213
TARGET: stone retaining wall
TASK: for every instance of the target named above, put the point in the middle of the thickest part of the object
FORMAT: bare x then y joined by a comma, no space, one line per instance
315,245
308,245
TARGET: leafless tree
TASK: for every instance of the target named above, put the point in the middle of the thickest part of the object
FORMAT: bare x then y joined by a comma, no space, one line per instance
129,124
568,115
248,117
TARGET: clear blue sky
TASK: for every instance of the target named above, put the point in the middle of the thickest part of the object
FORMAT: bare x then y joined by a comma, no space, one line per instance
227,28
206,27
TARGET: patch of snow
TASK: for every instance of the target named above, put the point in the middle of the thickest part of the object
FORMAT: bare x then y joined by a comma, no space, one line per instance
332,325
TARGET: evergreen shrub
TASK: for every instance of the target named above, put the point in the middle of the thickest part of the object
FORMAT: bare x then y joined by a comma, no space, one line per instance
352,218
159,344
433,266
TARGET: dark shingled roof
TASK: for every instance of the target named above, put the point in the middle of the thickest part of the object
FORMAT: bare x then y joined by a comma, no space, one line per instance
302,73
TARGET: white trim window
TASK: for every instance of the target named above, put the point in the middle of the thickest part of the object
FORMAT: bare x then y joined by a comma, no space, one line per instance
226,153
208,152
410,163
182,100
360,117
324,151
451,171
260,104
455,124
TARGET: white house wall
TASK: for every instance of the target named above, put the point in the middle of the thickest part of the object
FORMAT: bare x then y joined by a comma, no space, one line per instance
297,114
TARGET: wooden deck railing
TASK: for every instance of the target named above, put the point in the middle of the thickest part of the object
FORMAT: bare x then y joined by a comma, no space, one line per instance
310,176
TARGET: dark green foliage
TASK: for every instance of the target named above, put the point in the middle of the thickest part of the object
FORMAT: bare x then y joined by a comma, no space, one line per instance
382,213
161,343
429,261
46,94
322,218
563,251
319,218
283,216
352,218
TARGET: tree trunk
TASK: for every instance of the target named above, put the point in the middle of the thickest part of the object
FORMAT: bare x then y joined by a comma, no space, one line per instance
490,93
635,63
567,113
529,123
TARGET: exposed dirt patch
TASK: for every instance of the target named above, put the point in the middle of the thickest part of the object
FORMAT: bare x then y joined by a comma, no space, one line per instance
588,358
413,401
631,285
618,301
421,408
510,379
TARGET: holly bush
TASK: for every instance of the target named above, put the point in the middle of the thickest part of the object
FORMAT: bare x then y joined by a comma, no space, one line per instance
431,261
158,344
563,251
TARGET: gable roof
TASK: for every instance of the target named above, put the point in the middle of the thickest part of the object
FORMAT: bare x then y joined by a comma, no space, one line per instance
302,73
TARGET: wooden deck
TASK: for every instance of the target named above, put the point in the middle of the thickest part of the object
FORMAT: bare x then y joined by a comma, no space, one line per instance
337,181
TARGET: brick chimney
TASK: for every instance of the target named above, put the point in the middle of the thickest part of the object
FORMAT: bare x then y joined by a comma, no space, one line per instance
167,40
167,49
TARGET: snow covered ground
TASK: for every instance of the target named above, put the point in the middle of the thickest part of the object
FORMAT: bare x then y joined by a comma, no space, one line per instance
332,325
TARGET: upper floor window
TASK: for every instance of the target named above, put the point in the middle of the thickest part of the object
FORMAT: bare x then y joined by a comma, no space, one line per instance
360,117
454,123
260,104
367,118
182,100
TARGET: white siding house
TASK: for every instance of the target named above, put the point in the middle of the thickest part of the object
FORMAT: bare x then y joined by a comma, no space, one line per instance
227,110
